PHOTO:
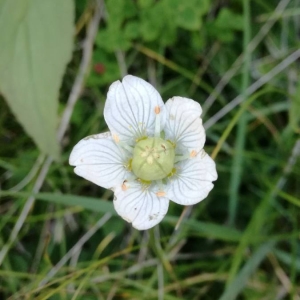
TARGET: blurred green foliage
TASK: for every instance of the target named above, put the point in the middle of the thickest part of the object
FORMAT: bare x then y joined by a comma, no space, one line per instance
159,24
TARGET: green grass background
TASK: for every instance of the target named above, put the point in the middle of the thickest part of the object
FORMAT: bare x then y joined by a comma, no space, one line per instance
242,242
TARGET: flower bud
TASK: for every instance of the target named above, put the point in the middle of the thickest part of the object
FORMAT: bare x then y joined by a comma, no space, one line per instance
153,159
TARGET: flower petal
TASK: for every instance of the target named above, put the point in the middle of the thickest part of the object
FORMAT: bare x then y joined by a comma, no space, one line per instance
184,125
130,109
98,159
140,206
193,180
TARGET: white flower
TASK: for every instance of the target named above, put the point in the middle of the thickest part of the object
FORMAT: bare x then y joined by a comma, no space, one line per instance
152,154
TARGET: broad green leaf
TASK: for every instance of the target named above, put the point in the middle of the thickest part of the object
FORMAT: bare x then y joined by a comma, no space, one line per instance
36,38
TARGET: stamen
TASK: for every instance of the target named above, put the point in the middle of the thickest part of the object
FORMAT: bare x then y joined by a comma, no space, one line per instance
124,186
193,153
160,185
123,145
181,157
126,147
131,178
157,121
126,183
116,138
161,194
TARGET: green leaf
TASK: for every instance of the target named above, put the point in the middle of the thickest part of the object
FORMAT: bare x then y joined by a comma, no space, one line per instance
154,27
185,14
228,19
288,259
145,3
189,19
203,6
248,269
98,205
151,26
130,9
112,39
225,25
206,229
294,111
118,11
36,38
110,73
115,10
132,30
197,41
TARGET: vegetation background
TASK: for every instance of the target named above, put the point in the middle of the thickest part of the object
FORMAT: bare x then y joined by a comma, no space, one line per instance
60,237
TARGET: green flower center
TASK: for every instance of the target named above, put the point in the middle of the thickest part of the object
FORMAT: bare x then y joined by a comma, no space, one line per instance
153,159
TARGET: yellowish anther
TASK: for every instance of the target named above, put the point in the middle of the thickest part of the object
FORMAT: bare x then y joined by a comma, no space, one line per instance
193,153
124,186
161,194
116,138
157,110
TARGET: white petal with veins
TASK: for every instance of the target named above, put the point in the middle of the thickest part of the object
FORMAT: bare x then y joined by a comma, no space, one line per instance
98,159
183,124
140,206
130,109
192,181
